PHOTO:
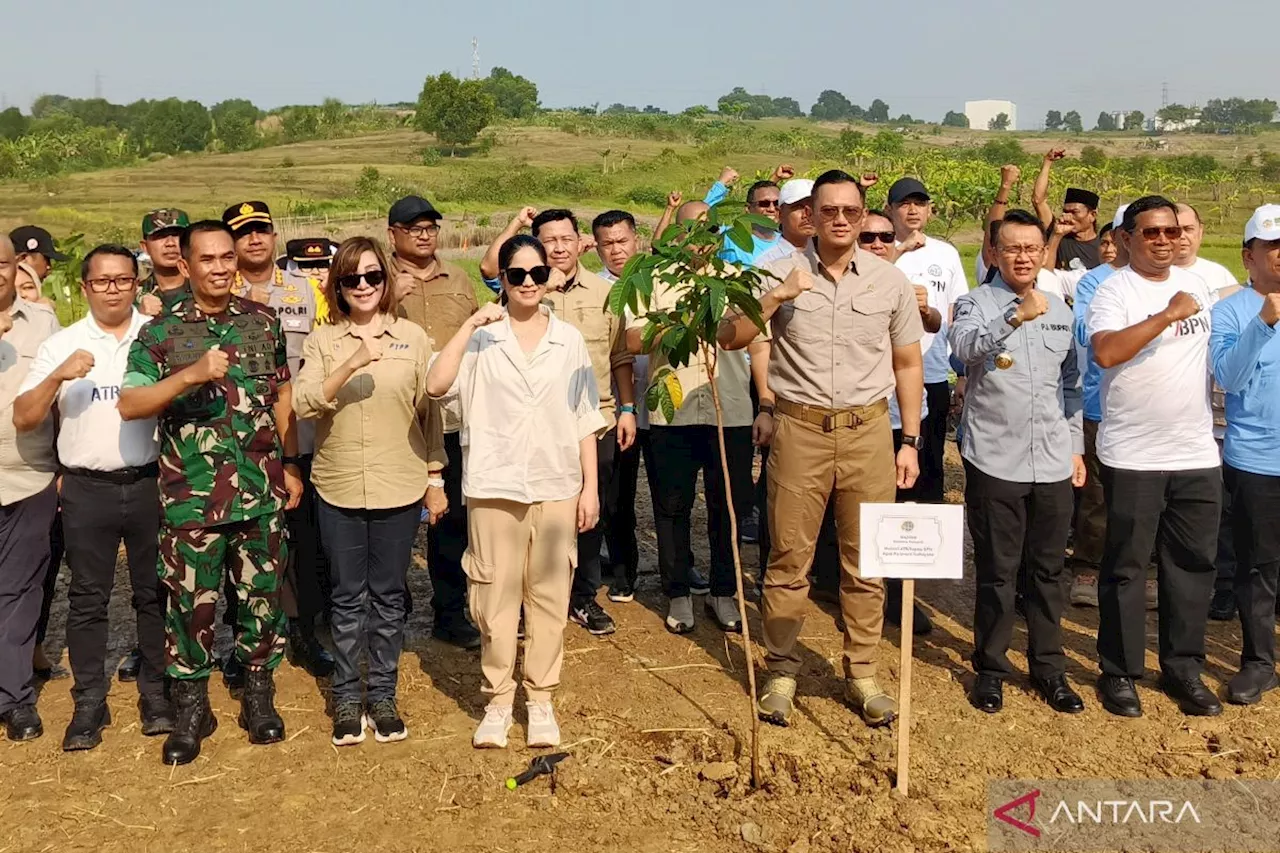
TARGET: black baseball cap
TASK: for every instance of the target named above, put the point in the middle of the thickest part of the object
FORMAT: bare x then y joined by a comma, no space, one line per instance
904,188
32,238
410,209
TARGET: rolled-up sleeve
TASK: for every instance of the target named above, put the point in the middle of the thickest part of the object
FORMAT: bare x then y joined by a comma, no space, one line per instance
906,327
430,417
308,387
973,335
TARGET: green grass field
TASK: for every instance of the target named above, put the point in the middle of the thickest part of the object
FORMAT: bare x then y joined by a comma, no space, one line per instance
328,188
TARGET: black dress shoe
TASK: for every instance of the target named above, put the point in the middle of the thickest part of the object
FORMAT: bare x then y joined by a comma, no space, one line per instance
85,729
307,652
1059,694
1247,686
456,630
22,723
1119,696
921,624
1222,607
130,666
988,694
157,715
1192,696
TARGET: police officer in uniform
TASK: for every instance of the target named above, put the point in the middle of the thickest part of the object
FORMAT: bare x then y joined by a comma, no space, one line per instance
217,376
1023,451
293,295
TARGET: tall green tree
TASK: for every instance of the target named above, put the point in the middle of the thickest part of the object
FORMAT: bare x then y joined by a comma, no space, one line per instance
13,123
454,110
878,111
513,95
955,119
45,104
1000,122
1134,120
174,125
235,124
1106,121
1052,120
833,106
1072,122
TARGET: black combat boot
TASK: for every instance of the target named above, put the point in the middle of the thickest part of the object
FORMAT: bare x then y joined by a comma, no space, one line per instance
307,652
194,721
258,710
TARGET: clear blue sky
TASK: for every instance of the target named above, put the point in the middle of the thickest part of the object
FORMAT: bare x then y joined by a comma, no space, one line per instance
923,58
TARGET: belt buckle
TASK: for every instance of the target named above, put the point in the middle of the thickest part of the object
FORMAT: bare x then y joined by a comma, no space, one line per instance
836,420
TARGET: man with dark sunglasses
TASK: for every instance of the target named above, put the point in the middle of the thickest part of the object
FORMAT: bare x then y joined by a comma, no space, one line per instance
298,303
1149,327
439,297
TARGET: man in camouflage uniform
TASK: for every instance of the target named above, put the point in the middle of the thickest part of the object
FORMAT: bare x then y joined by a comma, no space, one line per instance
215,373
300,306
166,286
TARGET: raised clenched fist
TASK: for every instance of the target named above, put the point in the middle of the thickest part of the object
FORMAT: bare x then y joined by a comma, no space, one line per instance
797,282
150,305
674,198
1055,154
6,322
868,180
1009,175
1033,305
526,215
1182,306
77,366
728,176
922,297
370,350
785,172
489,313
211,366
1270,309
915,240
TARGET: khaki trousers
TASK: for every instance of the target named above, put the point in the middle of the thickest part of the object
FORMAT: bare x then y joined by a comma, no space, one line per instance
521,554
806,467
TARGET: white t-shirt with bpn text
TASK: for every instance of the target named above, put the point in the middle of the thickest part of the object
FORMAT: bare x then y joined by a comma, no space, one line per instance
936,266
1214,274
1156,414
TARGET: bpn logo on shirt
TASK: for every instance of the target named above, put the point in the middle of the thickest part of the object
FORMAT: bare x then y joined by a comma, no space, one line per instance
1200,324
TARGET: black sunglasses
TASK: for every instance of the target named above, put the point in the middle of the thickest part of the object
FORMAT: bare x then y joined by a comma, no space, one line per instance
540,275
866,238
374,278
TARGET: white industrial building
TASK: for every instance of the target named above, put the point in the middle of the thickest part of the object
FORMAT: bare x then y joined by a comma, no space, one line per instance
980,113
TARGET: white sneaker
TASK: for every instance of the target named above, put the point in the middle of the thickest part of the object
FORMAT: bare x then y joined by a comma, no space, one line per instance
492,732
543,730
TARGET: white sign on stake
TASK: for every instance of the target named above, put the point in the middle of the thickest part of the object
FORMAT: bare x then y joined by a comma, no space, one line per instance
910,541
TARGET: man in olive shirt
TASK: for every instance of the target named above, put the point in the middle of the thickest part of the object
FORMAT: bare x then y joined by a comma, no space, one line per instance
846,334
439,297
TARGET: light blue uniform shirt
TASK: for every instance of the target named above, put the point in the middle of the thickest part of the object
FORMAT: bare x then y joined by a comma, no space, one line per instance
1245,353
1085,290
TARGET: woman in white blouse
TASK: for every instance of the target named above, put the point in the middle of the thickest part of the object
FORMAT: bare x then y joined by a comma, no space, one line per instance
530,418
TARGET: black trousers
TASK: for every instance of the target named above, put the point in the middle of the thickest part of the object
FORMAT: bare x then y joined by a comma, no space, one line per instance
1225,563
369,554
588,576
680,452
620,533
308,570
1255,507
447,542
24,562
56,549
97,515
1012,524
1177,513
929,485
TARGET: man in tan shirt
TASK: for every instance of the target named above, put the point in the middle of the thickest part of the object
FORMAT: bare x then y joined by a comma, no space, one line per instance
581,303
439,297
28,501
846,334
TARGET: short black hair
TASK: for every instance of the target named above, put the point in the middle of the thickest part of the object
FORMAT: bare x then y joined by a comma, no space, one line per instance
1105,230
836,176
875,211
756,187
555,214
1017,216
508,250
1144,205
204,226
107,250
610,218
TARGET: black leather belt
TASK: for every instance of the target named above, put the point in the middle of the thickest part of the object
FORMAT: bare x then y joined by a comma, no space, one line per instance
120,476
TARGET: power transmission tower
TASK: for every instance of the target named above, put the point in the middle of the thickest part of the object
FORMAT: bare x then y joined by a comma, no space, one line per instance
1164,95
475,58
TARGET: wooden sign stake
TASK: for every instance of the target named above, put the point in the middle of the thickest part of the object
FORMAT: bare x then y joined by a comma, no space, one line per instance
904,685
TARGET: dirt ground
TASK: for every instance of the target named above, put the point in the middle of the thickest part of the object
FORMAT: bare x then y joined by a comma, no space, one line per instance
647,717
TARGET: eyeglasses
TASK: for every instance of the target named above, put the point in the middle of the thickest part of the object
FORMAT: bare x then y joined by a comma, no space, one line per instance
1170,232
866,238
373,278
766,204
830,214
417,231
120,283
1015,251
516,275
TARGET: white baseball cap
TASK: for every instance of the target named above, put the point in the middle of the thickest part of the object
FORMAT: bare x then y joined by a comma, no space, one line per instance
1119,220
1264,224
795,190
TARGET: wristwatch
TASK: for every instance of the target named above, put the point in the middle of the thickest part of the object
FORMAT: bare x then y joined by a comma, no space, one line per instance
627,409
766,409
1011,316
435,482
292,460
915,441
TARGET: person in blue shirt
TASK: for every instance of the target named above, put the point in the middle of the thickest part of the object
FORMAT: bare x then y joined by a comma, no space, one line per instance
1245,353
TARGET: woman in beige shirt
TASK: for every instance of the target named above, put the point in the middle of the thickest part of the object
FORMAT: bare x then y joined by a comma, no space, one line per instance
530,418
379,451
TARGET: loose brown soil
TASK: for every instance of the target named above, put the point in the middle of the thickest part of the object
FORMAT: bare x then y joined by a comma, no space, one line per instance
659,730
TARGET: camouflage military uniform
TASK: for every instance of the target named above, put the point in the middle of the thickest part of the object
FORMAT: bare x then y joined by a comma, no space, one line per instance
221,480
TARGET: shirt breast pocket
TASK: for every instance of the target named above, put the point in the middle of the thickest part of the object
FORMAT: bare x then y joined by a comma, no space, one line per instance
805,319
593,323
871,315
